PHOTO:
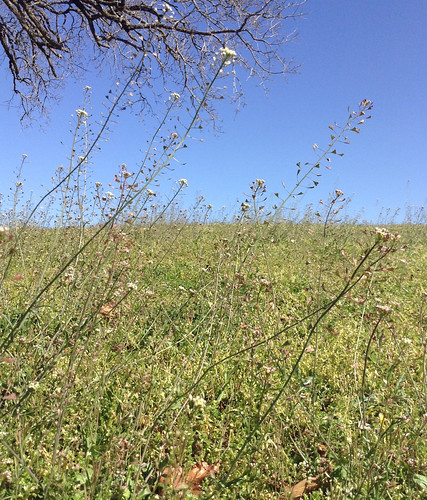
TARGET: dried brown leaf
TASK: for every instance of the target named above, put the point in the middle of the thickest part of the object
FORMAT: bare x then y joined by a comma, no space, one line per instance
9,361
199,472
305,487
174,477
107,310
10,397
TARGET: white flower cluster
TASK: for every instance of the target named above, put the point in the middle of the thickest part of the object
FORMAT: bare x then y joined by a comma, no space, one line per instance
227,53
385,235
82,114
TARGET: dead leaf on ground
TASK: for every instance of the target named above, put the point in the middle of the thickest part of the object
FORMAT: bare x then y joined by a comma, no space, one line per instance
10,397
108,310
174,476
304,487
9,361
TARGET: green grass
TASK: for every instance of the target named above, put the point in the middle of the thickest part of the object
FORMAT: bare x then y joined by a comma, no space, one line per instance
277,350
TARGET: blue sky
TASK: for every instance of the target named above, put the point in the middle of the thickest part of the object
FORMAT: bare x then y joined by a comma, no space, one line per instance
347,51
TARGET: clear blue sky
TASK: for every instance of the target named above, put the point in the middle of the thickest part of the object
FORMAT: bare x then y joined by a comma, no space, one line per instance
347,51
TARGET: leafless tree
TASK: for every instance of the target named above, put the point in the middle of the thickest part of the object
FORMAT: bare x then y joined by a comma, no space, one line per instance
44,42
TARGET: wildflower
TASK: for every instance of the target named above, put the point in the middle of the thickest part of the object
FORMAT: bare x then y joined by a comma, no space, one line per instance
174,135
197,401
338,192
81,113
88,88
132,286
150,192
109,195
98,184
260,182
385,235
175,96
34,385
364,426
245,207
24,156
227,53
183,182
384,309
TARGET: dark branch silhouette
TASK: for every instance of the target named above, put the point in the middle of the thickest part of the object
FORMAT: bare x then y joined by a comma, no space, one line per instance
46,41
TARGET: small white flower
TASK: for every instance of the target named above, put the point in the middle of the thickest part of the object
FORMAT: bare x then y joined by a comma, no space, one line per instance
197,401
109,195
98,184
132,286
227,53
33,385
81,113
364,426
175,96
151,193
183,182
384,308
385,235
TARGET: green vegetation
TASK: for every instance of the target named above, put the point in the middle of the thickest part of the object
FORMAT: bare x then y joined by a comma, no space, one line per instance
277,351
143,348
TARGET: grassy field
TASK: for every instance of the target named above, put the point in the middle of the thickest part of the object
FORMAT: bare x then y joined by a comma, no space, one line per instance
287,359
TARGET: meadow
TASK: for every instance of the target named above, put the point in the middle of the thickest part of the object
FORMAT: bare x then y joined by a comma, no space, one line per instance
243,360
149,351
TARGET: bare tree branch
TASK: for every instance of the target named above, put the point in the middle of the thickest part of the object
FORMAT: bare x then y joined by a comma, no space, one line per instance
45,41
